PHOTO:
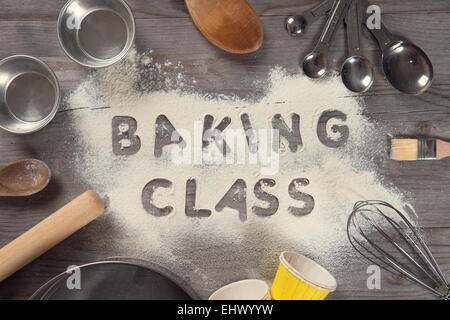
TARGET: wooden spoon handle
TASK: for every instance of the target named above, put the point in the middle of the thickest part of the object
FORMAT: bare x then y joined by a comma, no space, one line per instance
49,232
442,149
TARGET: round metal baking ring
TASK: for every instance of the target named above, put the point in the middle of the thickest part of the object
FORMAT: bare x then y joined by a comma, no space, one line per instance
117,278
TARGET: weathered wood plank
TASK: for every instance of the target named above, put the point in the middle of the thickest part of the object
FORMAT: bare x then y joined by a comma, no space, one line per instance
49,10
201,58
351,279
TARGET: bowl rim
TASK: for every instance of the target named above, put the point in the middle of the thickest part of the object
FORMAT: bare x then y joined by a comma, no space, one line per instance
57,102
117,58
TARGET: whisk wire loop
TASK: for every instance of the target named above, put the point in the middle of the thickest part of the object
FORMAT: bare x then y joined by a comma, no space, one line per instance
386,237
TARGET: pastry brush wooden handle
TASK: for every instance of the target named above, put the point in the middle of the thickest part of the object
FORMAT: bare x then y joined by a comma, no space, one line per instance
442,149
49,232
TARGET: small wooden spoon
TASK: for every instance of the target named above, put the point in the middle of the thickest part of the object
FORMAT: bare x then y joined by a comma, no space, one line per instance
24,178
232,25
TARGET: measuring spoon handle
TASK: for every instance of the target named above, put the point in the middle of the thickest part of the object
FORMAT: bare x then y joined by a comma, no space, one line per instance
335,17
383,35
321,9
353,29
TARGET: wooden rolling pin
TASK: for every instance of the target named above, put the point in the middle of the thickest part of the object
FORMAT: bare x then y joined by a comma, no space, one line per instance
49,232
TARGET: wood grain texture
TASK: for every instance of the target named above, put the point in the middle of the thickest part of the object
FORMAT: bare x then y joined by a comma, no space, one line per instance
48,10
28,26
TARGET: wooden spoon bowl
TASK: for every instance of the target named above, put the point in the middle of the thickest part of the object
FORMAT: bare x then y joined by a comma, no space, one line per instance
24,178
232,25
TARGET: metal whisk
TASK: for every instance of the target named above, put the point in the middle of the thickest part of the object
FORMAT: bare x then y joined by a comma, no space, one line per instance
384,236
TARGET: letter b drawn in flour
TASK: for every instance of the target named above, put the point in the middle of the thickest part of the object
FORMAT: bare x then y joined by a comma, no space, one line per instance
124,140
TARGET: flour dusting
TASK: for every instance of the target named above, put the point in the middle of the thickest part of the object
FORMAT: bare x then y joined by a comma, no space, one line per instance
336,177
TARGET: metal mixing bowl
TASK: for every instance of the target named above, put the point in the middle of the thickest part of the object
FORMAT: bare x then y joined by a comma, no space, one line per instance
96,33
29,94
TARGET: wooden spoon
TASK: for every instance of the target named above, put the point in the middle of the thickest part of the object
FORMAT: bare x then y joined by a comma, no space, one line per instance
232,25
24,178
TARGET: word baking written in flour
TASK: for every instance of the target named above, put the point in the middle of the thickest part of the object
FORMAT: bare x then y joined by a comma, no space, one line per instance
223,145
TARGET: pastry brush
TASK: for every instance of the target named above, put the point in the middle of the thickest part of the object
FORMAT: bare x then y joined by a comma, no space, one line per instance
419,149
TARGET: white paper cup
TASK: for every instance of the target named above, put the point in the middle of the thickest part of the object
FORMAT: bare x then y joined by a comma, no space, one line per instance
250,289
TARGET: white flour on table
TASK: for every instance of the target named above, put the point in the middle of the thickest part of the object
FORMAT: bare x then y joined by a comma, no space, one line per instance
338,177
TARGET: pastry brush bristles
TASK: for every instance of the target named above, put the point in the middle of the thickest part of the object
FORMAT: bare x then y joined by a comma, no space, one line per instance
404,149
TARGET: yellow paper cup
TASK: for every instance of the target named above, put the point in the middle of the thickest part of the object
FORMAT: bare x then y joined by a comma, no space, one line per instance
300,278
250,289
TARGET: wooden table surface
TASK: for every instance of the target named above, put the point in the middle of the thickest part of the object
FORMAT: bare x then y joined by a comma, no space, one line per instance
29,27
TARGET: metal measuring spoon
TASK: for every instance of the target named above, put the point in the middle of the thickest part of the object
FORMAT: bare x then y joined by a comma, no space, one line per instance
405,65
296,24
357,71
315,63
